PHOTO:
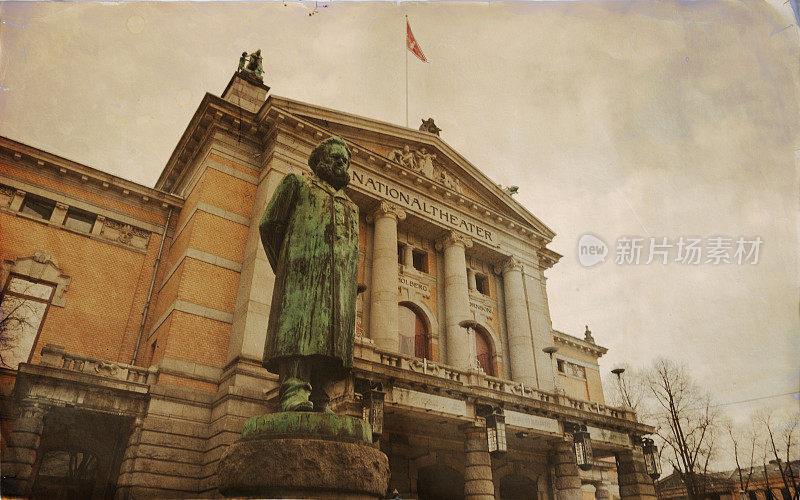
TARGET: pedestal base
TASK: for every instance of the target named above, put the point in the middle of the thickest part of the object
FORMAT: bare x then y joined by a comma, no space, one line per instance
304,455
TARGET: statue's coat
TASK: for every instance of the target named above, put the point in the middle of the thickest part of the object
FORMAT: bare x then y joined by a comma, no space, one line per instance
316,273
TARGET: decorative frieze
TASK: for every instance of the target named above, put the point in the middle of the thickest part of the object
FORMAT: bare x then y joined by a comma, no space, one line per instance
125,233
425,163
6,195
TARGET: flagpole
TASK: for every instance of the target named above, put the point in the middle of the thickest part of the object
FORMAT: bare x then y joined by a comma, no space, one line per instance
406,51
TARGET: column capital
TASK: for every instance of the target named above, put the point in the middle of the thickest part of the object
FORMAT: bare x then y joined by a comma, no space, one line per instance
477,423
31,408
386,209
508,265
453,238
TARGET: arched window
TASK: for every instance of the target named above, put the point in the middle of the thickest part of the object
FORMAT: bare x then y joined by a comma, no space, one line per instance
413,334
483,351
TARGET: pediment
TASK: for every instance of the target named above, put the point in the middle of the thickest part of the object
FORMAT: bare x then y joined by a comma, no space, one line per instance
420,154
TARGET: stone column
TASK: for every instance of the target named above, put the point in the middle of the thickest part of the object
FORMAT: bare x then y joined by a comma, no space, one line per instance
520,346
633,479
408,255
456,298
541,328
59,213
16,201
602,492
478,484
383,293
567,481
471,279
22,447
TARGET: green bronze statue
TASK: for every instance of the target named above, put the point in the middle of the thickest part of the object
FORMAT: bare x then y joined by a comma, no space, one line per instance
310,234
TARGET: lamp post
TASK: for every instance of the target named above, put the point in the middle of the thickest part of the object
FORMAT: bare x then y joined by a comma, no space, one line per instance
618,372
550,350
651,463
496,433
582,445
373,410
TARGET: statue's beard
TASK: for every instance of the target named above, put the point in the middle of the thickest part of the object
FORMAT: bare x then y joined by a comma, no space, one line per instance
334,174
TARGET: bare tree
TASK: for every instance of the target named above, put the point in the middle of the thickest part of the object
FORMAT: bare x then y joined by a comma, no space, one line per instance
15,316
744,451
685,422
782,443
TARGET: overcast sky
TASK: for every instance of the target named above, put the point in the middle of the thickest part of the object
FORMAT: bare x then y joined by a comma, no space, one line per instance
617,119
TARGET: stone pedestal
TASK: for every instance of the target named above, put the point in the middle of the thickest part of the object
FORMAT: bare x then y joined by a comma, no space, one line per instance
304,455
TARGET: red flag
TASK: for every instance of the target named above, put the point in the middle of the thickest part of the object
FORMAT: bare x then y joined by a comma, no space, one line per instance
412,44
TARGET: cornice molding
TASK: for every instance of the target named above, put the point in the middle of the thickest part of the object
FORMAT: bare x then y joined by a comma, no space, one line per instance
41,162
579,344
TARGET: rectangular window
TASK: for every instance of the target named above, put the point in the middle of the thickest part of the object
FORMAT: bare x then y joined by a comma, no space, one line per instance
400,248
482,283
420,260
37,206
23,306
560,364
79,220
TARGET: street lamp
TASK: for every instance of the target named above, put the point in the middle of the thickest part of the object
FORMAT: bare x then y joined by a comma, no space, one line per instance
496,433
550,350
623,399
582,445
651,462
373,410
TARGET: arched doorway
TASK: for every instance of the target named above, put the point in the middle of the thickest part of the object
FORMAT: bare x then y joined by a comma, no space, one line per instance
413,332
484,351
439,482
518,487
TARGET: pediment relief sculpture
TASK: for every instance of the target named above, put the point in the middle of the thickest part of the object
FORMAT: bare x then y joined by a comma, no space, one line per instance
423,162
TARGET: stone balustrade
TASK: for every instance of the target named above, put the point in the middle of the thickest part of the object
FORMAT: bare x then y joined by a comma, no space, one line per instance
56,356
366,350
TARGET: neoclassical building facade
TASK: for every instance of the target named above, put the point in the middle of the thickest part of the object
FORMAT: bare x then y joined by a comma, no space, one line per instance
136,317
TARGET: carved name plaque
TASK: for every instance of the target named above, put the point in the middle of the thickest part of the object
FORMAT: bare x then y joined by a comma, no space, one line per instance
608,436
419,204
411,283
429,401
481,307
534,422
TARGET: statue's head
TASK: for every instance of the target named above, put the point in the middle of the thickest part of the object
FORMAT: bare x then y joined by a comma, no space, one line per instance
406,149
244,54
330,160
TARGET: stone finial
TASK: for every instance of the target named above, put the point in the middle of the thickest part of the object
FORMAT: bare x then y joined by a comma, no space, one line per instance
429,126
587,335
